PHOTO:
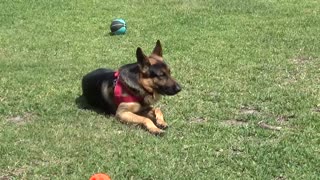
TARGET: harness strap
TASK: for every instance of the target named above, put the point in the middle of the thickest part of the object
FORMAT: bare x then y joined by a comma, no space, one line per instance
122,93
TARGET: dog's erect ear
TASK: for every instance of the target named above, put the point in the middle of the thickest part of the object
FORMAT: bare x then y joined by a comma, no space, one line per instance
142,60
158,49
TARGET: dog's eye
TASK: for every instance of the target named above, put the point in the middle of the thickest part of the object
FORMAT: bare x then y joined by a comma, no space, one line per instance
163,76
153,74
158,74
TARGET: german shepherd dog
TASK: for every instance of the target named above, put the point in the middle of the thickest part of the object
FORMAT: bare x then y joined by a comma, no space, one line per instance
130,92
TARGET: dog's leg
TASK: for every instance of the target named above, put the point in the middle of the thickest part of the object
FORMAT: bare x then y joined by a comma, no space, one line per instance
129,117
126,113
159,119
156,116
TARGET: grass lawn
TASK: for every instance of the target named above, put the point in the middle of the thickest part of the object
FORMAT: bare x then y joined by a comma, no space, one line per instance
249,108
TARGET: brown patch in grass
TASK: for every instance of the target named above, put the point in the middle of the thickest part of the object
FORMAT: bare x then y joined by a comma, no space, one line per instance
23,119
5,178
284,118
249,110
236,122
280,178
10,174
316,109
302,59
267,126
197,120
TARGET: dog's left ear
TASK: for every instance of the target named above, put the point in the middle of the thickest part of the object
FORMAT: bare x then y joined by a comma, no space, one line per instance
142,60
158,49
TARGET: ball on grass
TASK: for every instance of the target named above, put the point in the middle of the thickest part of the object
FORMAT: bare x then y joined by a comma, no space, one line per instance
118,26
100,176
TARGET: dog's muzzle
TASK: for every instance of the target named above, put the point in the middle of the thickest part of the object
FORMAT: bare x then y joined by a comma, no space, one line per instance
171,90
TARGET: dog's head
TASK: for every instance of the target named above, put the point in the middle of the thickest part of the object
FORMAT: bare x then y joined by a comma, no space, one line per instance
155,74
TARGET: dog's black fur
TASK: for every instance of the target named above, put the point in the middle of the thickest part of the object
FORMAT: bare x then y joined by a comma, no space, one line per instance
98,85
93,86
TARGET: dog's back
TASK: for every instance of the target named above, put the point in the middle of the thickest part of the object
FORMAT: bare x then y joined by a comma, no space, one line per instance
97,89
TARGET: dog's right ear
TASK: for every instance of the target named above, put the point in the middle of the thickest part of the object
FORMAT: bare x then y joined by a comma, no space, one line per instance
157,49
142,60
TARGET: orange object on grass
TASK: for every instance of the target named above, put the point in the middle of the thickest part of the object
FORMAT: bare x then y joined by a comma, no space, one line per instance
100,176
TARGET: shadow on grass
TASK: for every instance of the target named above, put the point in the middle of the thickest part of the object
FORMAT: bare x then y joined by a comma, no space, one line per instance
112,34
82,103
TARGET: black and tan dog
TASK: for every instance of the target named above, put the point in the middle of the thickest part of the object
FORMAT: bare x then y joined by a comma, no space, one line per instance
130,92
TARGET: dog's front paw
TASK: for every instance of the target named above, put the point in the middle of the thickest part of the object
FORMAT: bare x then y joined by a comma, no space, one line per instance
162,125
157,131
153,129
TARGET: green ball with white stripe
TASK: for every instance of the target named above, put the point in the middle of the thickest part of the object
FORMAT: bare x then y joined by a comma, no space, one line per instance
118,26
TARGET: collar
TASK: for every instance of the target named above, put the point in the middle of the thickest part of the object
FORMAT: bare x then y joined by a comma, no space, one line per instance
122,93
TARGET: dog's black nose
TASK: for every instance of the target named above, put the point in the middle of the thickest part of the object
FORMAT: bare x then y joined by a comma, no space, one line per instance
177,88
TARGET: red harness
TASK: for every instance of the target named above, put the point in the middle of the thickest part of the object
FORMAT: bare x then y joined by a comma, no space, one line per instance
122,93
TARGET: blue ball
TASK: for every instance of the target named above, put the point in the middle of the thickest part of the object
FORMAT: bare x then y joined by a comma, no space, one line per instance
118,26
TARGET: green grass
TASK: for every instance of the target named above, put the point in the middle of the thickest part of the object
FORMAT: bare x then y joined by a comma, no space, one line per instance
250,60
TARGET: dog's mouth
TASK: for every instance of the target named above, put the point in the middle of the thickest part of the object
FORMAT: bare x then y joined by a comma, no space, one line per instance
171,90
